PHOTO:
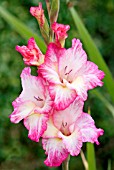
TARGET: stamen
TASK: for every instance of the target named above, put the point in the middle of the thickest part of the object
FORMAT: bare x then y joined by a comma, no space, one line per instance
66,67
38,98
68,72
64,125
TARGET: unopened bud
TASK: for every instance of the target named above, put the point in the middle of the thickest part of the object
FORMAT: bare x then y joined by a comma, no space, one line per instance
38,13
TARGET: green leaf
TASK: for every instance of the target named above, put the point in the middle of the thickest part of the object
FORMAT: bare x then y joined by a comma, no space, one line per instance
91,156
91,153
93,52
109,164
21,28
104,100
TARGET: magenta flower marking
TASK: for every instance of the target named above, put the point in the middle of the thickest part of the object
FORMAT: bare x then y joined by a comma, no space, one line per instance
32,105
66,132
31,53
69,74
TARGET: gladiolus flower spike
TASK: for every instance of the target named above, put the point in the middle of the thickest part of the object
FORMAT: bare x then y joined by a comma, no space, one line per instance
51,104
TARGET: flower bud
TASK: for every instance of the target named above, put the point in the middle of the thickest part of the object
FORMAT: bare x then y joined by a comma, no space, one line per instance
31,53
38,13
60,33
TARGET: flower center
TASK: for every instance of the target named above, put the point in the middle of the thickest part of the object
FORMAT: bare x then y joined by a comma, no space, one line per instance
66,75
67,72
40,101
38,98
64,129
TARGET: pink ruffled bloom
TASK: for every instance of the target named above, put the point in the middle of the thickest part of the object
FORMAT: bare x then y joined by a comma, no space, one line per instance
60,32
32,105
69,74
38,13
66,132
31,53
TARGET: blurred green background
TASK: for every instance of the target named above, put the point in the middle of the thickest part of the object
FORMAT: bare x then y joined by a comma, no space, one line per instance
16,150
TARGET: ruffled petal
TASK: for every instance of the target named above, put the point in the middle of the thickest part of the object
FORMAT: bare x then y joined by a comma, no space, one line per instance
88,129
33,88
54,52
80,86
21,110
88,77
56,151
51,131
92,75
69,115
49,69
36,125
34,97
73,142
38,91
62,96
72,60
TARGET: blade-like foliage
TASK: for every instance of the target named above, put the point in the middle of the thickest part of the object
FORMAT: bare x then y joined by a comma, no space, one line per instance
109,164
21,28
91,153
104,100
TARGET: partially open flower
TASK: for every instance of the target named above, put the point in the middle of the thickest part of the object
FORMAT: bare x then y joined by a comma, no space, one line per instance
32,105
38,13
31,53
60,32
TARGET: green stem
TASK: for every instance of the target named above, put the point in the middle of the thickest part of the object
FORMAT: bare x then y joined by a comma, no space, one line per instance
65,164
84,160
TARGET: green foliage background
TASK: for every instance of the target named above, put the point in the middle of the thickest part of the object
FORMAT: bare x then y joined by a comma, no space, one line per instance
16,150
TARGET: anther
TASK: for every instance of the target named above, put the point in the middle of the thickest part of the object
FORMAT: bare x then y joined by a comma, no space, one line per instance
64,125
65,68
38,98
68,72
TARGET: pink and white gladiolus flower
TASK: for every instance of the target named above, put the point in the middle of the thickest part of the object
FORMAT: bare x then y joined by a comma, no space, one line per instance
69,74
31,53
66,132
32,105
